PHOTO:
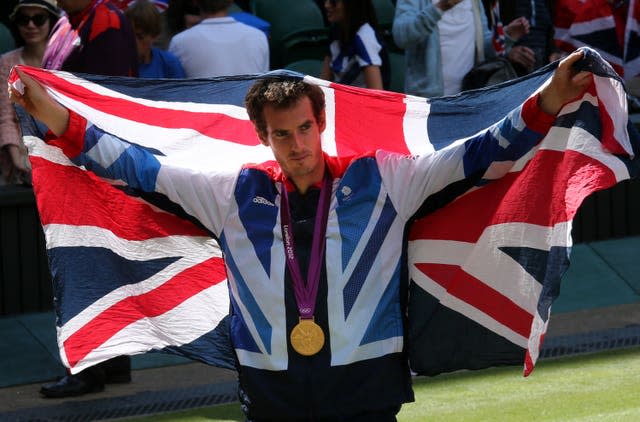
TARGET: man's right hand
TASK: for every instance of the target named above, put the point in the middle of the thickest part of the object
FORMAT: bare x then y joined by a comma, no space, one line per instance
39,104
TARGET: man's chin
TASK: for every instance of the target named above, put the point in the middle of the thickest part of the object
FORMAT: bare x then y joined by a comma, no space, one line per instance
302,165
300,170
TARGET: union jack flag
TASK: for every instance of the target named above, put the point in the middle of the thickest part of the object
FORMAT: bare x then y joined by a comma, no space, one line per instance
132,272
611,30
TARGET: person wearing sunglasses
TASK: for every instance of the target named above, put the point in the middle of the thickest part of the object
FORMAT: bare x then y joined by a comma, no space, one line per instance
32,21
356,55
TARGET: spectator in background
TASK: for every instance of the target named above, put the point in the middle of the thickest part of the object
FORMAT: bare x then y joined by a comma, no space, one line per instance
442,41
356,54
95,37
537,47
34,20
153,62
220,45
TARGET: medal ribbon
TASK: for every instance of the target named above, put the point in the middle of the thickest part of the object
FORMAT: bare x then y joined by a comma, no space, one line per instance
306,293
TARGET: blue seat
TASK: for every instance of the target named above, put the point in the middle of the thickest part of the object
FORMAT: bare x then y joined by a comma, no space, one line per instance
396,62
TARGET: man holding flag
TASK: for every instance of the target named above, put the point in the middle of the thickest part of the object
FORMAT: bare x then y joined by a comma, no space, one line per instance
314,245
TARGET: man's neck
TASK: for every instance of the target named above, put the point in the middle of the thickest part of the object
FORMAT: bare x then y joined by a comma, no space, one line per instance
303,187
305,182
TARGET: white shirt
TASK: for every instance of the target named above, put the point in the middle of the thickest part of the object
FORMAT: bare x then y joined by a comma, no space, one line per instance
221,47
457,45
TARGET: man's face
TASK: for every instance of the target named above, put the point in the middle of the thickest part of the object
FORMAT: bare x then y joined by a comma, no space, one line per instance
73,7
294,137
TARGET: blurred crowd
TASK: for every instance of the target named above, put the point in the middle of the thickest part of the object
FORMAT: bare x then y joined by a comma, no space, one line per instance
420,47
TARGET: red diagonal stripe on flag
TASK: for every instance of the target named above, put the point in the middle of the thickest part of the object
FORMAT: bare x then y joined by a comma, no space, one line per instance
215,125
474,292
163,299
97,203
567,177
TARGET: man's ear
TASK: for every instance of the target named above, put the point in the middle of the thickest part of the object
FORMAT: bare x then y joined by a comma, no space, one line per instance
322,121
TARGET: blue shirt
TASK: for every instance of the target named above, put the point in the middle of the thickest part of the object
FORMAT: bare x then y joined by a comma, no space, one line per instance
163,64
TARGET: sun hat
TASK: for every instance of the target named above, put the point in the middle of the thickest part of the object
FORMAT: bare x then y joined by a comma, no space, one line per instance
48,5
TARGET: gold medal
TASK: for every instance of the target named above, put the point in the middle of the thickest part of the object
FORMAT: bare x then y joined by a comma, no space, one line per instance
307,337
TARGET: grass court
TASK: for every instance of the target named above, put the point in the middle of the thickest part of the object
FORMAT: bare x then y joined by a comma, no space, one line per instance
599,387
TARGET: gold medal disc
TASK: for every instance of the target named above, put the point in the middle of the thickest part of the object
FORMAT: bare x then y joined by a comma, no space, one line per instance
307,337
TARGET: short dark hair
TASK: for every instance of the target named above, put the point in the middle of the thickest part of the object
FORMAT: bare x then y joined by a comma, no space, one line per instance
281,94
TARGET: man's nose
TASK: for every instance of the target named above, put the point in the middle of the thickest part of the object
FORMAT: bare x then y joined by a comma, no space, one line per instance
298,141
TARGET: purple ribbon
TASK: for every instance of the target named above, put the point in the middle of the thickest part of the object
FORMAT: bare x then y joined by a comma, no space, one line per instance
306,293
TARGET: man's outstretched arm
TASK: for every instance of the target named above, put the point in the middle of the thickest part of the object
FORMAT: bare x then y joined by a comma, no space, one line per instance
204,194
37,102
452,171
